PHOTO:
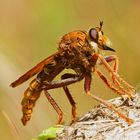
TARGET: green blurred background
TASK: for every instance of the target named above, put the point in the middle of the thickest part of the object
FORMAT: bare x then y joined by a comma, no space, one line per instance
30,31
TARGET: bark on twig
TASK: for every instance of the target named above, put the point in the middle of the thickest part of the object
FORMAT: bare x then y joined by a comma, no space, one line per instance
103,124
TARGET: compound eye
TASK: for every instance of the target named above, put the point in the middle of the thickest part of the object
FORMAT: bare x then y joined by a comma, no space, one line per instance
93,34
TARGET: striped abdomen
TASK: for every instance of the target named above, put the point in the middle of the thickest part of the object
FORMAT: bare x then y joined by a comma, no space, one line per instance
31,94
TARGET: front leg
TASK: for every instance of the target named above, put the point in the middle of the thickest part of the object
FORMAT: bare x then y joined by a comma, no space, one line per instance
118,79
114,58
109,84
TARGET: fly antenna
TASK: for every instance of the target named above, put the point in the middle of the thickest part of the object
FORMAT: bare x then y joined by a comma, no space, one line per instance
101,24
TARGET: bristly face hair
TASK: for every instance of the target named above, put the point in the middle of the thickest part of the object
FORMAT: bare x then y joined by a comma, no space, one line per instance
79,51
98,40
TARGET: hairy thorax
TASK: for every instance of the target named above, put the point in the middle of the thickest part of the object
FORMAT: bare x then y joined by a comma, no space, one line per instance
77,50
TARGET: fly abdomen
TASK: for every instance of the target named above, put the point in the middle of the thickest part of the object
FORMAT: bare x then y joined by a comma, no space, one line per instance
31,95
33,92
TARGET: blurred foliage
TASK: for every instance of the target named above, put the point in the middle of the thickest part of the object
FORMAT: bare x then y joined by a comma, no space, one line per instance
30,31
49,133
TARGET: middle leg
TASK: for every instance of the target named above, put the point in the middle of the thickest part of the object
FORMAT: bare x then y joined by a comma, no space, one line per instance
109,105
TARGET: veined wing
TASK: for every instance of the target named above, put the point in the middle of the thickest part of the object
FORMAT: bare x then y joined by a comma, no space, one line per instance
36,69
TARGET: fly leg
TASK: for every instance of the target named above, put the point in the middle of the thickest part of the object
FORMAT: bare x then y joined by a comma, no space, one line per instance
67,79
55,106
115,68
107,82
69,96
109,105
114,74
61,83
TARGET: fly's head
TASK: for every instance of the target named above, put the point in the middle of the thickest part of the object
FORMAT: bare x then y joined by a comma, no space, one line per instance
98,40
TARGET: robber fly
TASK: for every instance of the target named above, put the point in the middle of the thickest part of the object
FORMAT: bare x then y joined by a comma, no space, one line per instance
79,51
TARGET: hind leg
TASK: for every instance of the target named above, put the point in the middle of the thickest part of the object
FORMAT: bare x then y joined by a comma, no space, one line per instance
67,79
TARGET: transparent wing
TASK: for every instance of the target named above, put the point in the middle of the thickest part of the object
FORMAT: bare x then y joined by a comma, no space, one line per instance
36,69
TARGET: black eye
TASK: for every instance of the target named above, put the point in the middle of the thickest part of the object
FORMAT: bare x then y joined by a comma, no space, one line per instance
93,34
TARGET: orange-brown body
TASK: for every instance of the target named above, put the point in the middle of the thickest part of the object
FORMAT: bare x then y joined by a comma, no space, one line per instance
79,51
